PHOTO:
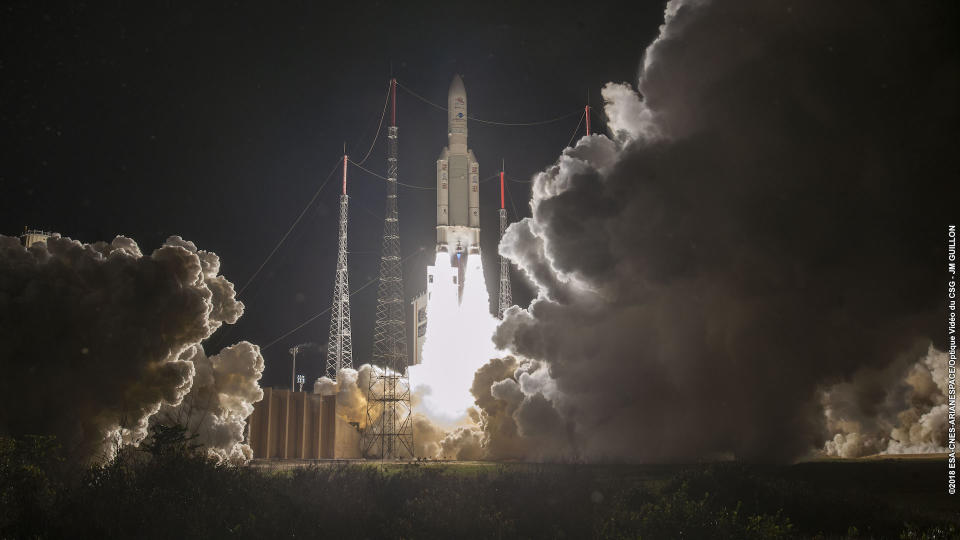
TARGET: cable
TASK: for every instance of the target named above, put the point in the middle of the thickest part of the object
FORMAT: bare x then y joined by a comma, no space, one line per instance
491,122
576,129
314,317
487,179
368,171
386,102
421,98
521,181
286,234
311,319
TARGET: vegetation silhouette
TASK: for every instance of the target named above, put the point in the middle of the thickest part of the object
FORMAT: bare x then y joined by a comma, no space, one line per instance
169,487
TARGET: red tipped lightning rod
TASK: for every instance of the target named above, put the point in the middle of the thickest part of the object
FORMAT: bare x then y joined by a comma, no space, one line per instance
501,190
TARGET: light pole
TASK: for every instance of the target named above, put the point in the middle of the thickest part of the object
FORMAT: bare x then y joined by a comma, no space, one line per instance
300,380
293,369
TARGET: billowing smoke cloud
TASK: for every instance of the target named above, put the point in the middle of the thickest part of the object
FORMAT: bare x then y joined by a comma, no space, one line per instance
220,400
766,221
462,443
519,416
899,409
432,439
426,437
352,388
97,338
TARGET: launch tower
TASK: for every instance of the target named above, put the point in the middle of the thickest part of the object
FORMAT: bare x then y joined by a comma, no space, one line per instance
506,297
389,423
340,344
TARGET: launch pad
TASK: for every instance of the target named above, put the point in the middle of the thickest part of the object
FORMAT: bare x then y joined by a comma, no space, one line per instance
456,294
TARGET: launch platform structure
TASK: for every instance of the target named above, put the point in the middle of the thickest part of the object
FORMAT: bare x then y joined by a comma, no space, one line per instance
389,433
340,344
506,296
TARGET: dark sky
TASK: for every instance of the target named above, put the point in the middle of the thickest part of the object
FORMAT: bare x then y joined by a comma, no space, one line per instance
218,124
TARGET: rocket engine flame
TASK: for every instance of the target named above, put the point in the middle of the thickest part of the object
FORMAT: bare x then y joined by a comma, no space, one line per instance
458,341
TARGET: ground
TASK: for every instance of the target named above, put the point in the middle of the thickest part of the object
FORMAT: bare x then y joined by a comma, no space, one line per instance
176,493
877,496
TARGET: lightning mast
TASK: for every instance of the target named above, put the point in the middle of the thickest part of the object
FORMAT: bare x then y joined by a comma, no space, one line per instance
586,112
506,297
340,344
389,423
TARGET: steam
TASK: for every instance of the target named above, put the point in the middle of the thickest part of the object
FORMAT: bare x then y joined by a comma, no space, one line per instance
518,414
352,388
99,338
220,400
754,235
901,409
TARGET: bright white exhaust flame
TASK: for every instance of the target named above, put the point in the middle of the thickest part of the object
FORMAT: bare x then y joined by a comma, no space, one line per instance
458,341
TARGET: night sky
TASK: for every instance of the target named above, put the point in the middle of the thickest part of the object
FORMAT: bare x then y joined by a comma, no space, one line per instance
218,123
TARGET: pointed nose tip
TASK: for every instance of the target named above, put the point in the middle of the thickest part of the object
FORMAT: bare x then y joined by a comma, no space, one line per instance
456,86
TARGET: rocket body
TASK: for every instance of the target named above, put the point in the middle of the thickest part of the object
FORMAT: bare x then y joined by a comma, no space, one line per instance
458,195
458,180
456,301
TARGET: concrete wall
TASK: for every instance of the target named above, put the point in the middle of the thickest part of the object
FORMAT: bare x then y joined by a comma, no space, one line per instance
347,441
300,425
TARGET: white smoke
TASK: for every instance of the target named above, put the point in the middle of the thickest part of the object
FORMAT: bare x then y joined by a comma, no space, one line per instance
98,338
352,389
901,409
220,400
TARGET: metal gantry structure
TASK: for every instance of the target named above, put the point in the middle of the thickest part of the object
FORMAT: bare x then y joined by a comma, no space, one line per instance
340,344
389,432
506,296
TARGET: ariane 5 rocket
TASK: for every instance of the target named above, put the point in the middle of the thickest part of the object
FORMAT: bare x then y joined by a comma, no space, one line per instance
458,188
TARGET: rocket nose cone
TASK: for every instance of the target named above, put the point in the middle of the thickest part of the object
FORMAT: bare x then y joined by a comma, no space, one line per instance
456,86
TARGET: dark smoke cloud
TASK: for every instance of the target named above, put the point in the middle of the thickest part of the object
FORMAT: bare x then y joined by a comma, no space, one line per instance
517,417
97,338
766,220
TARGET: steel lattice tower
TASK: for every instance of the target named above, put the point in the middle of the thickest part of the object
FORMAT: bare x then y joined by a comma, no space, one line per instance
506,297
389,427
340,345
